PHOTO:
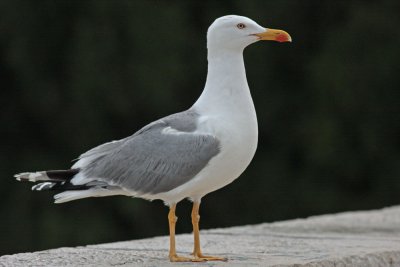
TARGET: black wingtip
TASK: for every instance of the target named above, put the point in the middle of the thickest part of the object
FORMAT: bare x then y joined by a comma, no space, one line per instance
62,175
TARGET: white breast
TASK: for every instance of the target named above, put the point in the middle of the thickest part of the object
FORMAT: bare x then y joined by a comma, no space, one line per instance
235,126
238,136
226,111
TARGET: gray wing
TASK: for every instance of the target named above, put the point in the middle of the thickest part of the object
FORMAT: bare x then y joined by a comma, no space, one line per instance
102,149
160,157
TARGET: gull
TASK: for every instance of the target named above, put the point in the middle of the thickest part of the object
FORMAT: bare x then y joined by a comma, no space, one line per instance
185,155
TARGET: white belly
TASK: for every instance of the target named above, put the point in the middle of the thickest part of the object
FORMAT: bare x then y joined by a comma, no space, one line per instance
238,136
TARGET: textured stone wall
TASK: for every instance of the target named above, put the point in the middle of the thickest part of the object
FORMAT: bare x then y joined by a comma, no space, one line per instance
363,238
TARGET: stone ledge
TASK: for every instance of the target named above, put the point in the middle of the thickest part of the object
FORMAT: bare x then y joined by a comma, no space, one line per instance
362,238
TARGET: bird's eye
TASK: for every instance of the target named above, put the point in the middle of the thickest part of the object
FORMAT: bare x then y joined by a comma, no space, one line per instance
241,26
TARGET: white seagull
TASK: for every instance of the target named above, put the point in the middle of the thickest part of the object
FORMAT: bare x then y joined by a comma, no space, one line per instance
184,155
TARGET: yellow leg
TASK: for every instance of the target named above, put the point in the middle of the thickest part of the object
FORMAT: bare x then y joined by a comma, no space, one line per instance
172,249
196,232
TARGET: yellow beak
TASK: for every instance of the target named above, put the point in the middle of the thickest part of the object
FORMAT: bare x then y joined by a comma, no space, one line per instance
274,35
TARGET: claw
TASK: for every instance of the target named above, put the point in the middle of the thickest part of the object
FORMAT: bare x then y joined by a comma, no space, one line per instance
176,258
209,258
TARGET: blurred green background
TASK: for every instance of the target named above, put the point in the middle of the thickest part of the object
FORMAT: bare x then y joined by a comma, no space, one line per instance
75,74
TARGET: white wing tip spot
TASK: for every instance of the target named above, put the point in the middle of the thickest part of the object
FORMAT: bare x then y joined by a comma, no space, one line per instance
170,130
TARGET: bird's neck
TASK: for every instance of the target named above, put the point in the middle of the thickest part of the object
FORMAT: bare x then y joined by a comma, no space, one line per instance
226,85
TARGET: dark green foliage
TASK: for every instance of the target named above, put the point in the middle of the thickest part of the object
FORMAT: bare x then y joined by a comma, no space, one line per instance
75,74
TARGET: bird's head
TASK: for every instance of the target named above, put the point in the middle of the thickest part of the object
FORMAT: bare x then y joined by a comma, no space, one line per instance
237,32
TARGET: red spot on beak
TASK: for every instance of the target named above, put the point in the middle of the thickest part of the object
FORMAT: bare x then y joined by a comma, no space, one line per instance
282,38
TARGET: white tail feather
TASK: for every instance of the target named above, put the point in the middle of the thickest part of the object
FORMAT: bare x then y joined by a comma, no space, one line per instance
79,194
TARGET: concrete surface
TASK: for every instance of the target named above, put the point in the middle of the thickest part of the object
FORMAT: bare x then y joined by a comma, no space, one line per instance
364,238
